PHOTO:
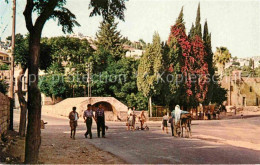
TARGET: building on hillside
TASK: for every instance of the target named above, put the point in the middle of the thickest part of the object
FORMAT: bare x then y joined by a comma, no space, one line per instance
242,91
132,52
90,39
4,58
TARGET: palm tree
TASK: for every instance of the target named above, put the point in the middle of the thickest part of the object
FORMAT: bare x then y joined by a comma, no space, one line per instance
221,57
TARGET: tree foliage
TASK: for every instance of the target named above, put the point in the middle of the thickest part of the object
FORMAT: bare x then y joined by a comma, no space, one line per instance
222,55
109,39
3,86
151,65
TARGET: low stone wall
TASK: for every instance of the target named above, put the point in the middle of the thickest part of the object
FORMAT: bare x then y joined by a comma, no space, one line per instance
4,113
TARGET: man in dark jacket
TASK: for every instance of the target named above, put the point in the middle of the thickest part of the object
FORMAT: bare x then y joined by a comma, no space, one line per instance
100,118
171,120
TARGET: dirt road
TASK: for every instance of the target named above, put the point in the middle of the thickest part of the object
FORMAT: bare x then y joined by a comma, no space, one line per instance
224,141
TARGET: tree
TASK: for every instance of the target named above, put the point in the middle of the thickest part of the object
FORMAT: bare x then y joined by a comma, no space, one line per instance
109,38
3,86
53,85
185,60
192,31
4,67
221,57
197,28
200,64
209,61
150,67
21,58
219,94
45,10
199,70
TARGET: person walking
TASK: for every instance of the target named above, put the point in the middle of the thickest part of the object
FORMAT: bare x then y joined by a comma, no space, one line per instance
177,117
87,116
142,119
164,122
100,118
129,118
73,116
134,117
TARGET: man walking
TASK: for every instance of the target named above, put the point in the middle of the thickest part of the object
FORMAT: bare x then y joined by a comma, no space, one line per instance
87,116
73,116
100,118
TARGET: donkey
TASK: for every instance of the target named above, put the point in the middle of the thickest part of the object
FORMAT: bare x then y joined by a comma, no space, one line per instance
185,122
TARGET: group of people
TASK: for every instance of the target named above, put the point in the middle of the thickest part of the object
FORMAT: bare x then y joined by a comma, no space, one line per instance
88,117
131,119
173,119
99,118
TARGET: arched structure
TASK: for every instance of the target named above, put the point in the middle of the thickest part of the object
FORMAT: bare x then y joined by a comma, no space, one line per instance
113,107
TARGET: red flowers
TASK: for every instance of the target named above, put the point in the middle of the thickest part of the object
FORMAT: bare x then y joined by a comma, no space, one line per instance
193,55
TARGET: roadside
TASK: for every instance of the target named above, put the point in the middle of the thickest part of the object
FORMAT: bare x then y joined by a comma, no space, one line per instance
219,141
58,148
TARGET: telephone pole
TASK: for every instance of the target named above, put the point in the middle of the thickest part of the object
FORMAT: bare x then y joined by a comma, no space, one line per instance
12,51
89,67
12,66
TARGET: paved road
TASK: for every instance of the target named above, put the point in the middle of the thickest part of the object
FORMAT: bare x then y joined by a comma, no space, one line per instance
210,143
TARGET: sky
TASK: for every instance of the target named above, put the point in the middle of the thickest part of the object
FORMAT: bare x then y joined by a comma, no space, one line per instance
234,24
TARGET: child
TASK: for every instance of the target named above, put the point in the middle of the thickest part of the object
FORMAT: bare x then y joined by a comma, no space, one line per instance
164,122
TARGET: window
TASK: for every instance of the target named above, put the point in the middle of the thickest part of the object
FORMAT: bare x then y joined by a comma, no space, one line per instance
231,88
250,89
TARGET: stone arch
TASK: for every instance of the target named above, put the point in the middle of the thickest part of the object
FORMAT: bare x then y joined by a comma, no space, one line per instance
110,111
106,105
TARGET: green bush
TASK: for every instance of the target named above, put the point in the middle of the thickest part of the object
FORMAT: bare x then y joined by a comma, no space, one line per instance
3,87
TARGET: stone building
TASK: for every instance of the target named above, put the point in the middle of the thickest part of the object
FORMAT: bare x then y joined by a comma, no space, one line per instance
242,91
4,58
4,113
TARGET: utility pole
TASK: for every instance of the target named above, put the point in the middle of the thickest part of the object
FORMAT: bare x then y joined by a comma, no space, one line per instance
89,78
12,66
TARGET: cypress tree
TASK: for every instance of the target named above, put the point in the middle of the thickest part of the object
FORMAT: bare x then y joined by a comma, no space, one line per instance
208,48
197,30
191,33
180,18
209,61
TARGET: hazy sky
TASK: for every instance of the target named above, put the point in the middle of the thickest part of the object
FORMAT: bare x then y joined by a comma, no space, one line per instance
234,24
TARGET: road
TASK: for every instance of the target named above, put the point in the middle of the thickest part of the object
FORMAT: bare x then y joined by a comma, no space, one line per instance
224,141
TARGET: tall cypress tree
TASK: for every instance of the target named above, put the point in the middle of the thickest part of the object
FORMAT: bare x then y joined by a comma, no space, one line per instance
208,49
191,33
180,18
209,60
197,30
151,65
109,39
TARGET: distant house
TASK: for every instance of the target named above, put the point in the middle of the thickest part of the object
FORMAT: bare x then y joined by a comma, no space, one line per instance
4,58
242,91
132,52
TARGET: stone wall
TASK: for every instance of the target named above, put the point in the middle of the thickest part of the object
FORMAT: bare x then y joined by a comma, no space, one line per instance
4,113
